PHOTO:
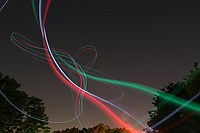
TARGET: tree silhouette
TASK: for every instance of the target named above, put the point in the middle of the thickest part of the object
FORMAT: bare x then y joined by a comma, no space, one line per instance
100,128
14,121
185,120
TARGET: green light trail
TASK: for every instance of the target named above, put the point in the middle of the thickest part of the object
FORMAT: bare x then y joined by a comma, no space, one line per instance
169,97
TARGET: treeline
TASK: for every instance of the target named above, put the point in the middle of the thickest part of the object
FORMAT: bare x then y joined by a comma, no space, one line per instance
100,128
168,117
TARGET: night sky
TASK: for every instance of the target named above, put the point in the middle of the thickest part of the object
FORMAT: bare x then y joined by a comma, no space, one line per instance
151,42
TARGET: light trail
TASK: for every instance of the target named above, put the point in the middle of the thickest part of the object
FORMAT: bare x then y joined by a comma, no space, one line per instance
63,77
83,74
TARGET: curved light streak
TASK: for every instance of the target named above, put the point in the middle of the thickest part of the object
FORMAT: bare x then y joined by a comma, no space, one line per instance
56,68
168,97
63,77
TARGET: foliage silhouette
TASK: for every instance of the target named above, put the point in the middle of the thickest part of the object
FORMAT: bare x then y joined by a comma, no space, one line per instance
13,121
185,120
100,128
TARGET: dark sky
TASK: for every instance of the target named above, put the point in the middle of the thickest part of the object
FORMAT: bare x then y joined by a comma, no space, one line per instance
152,42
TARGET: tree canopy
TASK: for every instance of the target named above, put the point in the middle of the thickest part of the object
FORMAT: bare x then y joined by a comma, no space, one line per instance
11,119
184,120
100,128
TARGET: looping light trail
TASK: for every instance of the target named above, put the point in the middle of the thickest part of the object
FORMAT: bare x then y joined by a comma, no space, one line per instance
60,61
63,77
